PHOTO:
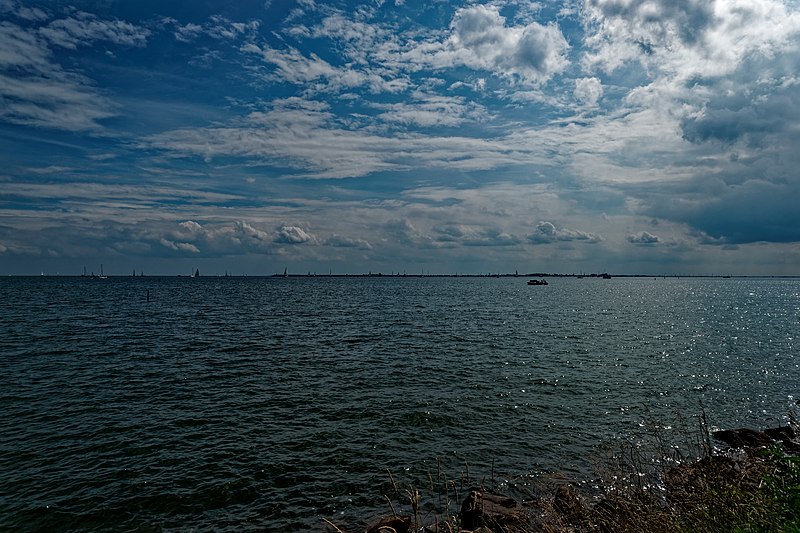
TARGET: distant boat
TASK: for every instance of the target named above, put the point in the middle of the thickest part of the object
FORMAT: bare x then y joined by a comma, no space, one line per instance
101,272
606,276
537,282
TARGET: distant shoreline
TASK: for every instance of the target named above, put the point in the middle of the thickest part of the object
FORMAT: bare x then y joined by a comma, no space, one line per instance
398,275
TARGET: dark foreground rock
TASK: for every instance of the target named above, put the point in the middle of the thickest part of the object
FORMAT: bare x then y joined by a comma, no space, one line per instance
391,524
710,490
750,438
742,438
481,510
493,511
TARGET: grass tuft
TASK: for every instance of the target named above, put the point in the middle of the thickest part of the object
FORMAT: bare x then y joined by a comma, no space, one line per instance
652,484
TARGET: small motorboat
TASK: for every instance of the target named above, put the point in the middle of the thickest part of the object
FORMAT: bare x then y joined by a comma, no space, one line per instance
537,282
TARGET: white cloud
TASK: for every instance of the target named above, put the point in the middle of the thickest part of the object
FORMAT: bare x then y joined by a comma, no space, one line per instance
624,30
469,235
191,226
244,231
222,28
341,241
428,110
718,81
84,28
697,129
180,246
60,101
21,49
480,39
217,27
234,237
35,90
31,13
292,235
52,169
378,58
403,232
643,238
292,66
588,91
360,38
188,32
547,232
686,38
306,135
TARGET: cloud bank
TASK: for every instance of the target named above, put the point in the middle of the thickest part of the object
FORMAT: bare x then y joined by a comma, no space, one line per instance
485,135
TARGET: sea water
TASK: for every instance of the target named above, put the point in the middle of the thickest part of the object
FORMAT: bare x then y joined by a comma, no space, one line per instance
271,404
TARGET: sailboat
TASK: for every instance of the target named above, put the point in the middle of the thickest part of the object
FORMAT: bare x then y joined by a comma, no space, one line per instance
101,272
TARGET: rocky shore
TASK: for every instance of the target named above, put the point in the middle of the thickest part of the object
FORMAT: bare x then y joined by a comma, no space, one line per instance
750,481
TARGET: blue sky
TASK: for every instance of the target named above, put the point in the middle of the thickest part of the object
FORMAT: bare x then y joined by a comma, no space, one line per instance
629,136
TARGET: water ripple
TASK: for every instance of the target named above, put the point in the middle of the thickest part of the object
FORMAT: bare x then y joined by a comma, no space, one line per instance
267,404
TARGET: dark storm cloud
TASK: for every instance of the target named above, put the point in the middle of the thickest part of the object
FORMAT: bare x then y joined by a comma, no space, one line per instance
754,210
689,17
759,103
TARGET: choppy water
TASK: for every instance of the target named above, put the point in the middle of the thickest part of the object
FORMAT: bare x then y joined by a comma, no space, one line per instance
268,404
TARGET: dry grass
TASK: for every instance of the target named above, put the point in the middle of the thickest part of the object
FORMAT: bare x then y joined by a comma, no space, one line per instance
652,485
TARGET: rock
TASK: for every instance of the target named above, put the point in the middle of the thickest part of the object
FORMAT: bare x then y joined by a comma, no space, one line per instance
748,438
493,511
742,438
391,524
781,434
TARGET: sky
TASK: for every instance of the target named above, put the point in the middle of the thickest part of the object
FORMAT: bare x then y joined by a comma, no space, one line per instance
248,137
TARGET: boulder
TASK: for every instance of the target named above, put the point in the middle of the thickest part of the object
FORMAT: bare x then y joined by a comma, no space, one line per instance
742,438
391,524
749,438
483,509
781,434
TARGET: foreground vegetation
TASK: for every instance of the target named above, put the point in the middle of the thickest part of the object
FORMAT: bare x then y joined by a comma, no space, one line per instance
750,485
